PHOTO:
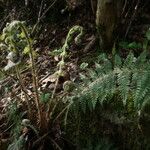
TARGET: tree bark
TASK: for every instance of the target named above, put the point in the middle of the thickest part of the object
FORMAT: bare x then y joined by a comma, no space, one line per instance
107,15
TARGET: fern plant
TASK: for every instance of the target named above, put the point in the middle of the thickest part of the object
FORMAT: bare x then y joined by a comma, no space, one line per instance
115,91
128,78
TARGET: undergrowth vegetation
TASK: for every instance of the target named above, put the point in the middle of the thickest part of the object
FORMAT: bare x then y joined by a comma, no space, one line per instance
127,80
115,91
112,94
60,90
16,40
115,78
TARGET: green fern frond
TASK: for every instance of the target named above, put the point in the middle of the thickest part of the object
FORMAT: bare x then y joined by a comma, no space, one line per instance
124,84
129,78
129,61
17,144
141,60
142,88
117,61
105,64
100,89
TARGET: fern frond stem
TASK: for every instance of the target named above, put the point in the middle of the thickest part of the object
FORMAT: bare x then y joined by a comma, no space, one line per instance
54,91
34,75
61,65
62,112
66,116
57,146
40,139
53,94
49,112
53,109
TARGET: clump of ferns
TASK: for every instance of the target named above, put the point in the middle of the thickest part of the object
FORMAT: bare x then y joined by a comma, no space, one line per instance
117,90
16,40
122,84
113,80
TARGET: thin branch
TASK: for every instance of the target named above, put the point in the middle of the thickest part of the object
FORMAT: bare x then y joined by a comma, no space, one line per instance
132,18
40,17
57,146
40,11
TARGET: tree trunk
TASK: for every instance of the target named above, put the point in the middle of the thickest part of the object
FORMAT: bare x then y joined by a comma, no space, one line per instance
108,13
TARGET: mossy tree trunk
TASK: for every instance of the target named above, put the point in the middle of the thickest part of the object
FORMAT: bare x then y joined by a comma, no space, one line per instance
108,13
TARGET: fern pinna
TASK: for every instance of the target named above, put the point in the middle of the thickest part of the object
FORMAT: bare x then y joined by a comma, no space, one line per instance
129,79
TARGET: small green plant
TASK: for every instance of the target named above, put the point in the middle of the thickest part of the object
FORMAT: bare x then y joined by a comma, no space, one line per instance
16,40
63,54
